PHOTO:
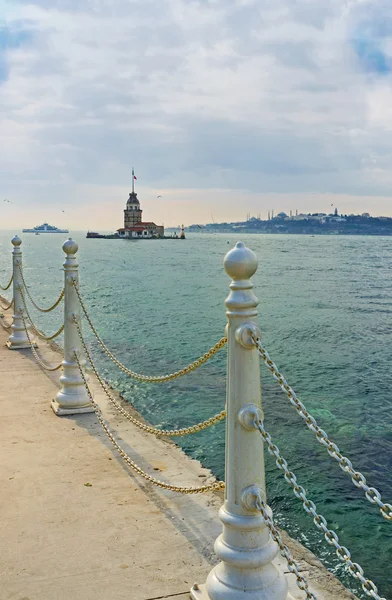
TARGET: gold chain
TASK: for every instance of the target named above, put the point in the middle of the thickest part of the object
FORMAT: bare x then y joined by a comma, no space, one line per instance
44,310
359,480
147,428
34,328
219,485
8,305
149,378
330,535
35,353
9,284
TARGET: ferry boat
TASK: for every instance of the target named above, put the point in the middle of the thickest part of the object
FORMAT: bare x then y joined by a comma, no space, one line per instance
45,228
93,234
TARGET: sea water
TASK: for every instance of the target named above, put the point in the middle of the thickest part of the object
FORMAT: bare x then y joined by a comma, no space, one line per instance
325,306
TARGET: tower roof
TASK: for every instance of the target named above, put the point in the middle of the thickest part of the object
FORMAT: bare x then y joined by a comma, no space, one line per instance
133,198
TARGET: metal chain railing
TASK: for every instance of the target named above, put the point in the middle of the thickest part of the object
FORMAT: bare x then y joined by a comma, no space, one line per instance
34,351
218,485
284,550
147,428
4,324
320,522
148,378
359,480
44,310
40,333
8,305
9,284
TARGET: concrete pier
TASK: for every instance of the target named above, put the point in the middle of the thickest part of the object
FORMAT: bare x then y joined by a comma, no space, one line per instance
77,524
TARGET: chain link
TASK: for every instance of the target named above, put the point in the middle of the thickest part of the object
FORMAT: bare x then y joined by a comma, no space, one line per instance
147,428
44,310
218,485
9,284
284,550
149,378
359,480
35,353
4,324
8,305
330,535
34,328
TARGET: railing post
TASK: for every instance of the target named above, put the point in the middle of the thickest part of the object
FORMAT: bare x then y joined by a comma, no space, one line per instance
72,398
18,338
246,551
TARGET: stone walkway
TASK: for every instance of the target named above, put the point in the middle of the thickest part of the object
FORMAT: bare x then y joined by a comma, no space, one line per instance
76,524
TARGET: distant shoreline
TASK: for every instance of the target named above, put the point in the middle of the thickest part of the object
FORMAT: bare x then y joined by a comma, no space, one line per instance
309,233
309,224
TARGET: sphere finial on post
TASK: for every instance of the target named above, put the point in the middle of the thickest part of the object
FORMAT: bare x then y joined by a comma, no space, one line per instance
16,241
18,339
241,262
70,247
245,549
72,398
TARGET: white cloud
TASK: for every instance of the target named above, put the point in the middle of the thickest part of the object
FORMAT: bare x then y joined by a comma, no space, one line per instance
259,96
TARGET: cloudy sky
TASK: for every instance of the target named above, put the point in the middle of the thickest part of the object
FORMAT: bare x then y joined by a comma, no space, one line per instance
224,107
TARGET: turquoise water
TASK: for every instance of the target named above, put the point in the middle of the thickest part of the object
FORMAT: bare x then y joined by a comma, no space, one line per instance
326,316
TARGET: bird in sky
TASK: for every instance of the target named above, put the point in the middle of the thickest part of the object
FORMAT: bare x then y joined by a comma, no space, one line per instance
9,201
159,196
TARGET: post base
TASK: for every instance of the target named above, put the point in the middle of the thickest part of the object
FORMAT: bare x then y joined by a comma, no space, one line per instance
199,592
20,345
61,412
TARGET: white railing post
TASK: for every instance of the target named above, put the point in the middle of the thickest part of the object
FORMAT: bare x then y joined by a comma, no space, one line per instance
18,338
72,398
246,551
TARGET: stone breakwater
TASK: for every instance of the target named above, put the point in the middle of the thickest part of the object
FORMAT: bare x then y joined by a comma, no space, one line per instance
77,523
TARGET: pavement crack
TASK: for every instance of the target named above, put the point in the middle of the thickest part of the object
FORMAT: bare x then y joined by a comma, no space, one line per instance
169,595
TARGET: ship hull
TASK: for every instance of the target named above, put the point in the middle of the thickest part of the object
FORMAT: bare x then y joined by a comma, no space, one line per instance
44,231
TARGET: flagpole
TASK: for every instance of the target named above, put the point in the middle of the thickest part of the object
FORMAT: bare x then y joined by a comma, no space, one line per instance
133,180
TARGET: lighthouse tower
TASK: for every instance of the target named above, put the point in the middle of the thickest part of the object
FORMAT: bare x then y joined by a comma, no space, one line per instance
134,226
133,212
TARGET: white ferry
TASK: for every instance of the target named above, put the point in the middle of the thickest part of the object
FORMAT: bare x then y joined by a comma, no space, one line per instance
45,228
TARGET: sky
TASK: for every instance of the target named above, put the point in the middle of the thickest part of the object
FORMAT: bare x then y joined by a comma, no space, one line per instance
224,107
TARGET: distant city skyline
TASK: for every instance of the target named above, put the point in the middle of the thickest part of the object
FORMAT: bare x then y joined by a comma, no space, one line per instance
185,206
225,108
